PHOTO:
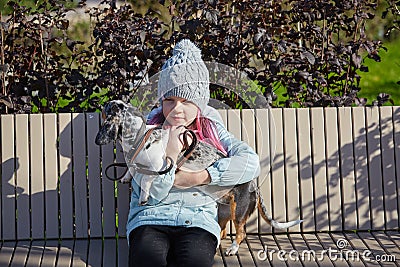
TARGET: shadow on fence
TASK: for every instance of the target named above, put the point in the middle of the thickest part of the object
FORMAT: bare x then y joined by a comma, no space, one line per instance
359,169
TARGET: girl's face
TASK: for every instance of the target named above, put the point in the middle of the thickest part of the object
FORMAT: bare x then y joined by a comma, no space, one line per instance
178,111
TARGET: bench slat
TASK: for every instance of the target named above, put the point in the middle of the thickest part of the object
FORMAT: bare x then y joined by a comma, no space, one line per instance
224,116
319,171
35,253
90,252
256,247
108,193
8,166
123,253
336,247
64,255
314,244
290,164
375,168
95,248
228,260
65,162
234,126
290,243
396,122
50,253
356,243
222,113
37,176
248,128
218,260
361,168
246,257
373,245
265,134
79,175
305,170
394,236
122,199
110,253
349,208
278,192
81,251
20,255
328,243
388,168
93,150
333,169
51,175
389,248
22,175
271,247
301,248
7,252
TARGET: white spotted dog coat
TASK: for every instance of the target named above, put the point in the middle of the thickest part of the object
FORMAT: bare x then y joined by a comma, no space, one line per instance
125,123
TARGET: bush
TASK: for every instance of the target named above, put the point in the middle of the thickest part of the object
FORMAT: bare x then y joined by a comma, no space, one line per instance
311,50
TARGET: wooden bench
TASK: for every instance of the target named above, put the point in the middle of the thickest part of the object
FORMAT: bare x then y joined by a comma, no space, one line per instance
336,168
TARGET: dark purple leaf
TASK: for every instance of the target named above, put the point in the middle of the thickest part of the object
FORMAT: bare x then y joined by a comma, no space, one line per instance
310,57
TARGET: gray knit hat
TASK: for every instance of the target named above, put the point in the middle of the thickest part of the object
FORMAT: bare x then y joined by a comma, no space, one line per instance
185,75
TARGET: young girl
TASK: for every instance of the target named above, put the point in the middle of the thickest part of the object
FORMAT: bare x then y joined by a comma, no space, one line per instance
179,224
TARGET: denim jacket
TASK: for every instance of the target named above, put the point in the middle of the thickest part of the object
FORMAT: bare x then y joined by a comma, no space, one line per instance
195,207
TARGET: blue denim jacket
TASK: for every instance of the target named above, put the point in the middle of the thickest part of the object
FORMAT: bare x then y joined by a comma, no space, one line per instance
196,206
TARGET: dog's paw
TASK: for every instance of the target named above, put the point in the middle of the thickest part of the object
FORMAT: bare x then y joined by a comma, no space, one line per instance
223,234
143,199
126,179
233,250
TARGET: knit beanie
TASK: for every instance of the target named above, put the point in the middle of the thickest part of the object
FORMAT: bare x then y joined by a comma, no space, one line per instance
185,75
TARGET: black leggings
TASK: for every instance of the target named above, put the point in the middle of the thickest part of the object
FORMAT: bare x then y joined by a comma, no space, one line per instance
171,246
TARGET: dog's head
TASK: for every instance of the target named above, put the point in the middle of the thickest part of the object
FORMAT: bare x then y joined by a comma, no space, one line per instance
121,120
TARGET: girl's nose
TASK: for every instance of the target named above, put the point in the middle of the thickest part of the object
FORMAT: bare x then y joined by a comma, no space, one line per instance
178,105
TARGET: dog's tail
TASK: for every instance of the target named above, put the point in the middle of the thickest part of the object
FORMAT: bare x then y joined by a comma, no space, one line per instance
268,218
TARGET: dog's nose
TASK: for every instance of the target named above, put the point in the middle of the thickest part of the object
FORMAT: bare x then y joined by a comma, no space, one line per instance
101,139
98,140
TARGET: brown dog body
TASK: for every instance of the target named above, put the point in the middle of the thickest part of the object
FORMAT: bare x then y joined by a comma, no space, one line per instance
237,205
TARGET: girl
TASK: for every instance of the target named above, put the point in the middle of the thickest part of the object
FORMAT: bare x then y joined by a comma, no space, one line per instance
179,224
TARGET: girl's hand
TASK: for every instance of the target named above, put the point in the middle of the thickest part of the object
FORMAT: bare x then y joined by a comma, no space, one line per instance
184,179
175,144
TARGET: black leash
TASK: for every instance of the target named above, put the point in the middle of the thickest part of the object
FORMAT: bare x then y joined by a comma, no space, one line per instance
137,169
140,143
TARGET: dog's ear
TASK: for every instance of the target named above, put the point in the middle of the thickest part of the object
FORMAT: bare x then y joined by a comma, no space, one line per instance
107,109
114,107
